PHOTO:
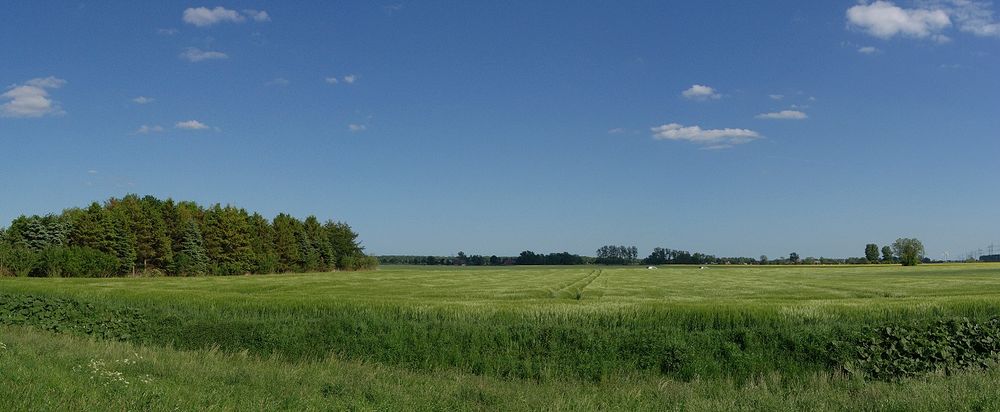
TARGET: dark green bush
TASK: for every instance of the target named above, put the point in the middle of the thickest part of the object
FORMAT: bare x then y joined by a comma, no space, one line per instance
897,351
16,260
74,261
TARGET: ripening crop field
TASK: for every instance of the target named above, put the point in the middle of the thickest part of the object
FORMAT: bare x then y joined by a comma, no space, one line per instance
509,338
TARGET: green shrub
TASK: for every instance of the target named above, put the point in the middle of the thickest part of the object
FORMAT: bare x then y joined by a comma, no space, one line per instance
16,260
74,261
891,352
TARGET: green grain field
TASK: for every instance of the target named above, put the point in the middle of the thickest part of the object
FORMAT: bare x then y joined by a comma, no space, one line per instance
509,338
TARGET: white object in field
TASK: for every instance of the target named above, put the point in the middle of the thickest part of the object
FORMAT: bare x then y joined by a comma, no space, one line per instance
650,267
703,267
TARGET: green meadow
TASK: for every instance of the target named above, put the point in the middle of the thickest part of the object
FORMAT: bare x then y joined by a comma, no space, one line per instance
514,338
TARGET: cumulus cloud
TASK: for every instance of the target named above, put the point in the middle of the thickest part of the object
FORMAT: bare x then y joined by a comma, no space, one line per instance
31,99
194,55
204,16
784,115
701,93
354,127
147,129
710,138
191,125
143,100
867,50
928,19
350,78
885,20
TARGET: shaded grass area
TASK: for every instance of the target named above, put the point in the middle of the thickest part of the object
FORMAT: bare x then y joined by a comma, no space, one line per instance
45,371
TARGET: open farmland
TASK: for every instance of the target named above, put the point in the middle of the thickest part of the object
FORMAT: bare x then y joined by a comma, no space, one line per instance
737,337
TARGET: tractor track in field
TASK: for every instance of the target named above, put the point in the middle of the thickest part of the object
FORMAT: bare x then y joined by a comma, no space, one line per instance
574,290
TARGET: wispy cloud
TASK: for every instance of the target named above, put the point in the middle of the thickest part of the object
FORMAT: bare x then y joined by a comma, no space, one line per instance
147,129
191,125
868,50
783,115
700,93
194,55
143,100
167,32
710,138
279,82
31,99
776,96
355,127
259,16
349,79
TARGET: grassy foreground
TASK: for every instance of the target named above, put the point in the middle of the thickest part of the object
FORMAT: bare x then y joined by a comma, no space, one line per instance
503,338
45,371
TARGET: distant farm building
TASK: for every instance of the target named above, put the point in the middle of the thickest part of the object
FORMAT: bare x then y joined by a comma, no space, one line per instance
989,258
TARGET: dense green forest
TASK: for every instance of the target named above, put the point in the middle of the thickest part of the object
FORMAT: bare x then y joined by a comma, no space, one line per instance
149,236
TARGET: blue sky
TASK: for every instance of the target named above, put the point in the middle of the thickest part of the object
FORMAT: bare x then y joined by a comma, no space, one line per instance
732,128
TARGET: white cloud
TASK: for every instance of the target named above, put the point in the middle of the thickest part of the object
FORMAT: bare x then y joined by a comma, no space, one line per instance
700,93
147,129
349,79
867,50
972,16
50,82
712,138
928,20
191,125
280,81
784,115
143,100
885,20
258,16
204,17
354,128
31,99
776,96
617,130
194,55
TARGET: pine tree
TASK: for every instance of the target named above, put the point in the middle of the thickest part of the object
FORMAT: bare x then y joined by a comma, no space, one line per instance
287,245
191,259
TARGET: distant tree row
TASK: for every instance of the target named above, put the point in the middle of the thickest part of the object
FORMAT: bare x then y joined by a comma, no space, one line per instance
461,259
134,235
617,255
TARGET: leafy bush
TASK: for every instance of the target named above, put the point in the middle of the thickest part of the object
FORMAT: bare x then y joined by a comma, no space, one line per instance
67,315
16,260
892,351
75,261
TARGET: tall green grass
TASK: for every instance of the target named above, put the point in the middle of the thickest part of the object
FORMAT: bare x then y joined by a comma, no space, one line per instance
538,323
41,371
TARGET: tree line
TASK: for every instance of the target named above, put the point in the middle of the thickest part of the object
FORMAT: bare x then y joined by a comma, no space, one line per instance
149,236
526,257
